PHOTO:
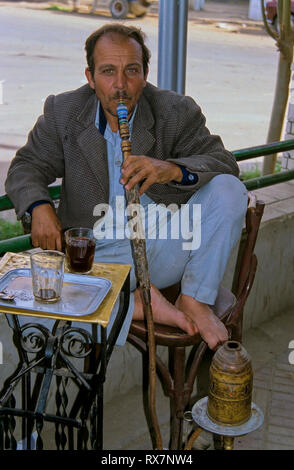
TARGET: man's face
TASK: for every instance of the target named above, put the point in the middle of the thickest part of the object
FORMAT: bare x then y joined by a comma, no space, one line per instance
118,71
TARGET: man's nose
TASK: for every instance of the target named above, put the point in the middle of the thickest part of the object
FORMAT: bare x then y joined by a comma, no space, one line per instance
120,80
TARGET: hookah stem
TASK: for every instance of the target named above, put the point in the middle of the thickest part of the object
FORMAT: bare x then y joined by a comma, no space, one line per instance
141,268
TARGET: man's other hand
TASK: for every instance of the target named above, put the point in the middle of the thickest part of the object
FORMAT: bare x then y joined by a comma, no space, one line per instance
138,168
46,228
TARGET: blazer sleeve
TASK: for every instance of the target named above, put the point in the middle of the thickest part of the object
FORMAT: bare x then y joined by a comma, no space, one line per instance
197,149
37,164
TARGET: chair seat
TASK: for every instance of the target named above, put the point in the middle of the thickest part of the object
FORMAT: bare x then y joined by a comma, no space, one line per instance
171,336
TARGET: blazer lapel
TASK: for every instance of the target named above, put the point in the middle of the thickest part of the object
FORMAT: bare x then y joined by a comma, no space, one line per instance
142,139
93,145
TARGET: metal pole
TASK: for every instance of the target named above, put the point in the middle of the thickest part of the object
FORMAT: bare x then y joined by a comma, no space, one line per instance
182,45
167,45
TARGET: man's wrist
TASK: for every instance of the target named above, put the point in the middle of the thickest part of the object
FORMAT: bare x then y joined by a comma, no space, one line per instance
187,178
178,174
36,204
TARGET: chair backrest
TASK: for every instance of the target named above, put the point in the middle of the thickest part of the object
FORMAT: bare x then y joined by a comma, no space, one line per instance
246,257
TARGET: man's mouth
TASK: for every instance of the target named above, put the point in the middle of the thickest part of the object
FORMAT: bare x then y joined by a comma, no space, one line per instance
121,96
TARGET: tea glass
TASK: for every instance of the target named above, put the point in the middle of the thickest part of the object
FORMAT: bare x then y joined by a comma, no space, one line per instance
80,249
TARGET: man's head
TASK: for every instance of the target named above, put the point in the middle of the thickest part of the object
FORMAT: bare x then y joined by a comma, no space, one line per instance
117,65
122,30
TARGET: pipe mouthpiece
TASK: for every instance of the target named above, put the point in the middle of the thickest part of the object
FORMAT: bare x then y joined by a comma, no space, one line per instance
122,111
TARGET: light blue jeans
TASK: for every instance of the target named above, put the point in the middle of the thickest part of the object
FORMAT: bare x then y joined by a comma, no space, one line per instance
223,203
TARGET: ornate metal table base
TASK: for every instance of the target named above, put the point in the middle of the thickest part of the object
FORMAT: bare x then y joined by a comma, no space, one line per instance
48,359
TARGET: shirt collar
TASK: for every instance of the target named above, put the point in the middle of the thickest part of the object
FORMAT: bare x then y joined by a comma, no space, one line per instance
101,121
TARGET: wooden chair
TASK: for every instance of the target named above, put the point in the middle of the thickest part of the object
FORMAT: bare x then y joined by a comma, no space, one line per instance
179,375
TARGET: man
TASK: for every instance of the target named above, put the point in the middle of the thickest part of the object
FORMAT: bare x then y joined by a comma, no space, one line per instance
174,160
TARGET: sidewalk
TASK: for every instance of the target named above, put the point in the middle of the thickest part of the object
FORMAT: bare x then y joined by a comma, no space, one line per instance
214,12
233,12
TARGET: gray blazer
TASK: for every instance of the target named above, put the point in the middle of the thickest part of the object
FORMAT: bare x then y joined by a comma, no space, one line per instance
65,143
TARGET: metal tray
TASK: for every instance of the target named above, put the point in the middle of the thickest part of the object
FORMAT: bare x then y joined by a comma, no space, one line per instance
81,294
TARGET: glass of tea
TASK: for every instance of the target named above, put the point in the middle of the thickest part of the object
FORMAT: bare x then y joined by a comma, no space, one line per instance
80,249
47,268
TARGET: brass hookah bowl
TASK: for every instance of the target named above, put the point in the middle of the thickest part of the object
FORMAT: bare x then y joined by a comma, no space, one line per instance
228,410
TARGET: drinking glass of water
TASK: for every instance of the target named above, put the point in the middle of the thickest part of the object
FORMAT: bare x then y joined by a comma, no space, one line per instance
47,268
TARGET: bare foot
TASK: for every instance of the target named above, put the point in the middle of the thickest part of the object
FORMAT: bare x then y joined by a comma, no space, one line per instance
211,329
163,312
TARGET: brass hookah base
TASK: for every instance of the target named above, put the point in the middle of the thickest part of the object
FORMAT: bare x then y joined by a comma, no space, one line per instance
228,411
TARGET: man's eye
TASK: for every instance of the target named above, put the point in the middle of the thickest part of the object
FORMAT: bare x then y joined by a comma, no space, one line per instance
132,71
108,71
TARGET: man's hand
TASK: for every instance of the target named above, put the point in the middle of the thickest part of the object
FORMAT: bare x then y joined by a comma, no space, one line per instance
150,170
46,228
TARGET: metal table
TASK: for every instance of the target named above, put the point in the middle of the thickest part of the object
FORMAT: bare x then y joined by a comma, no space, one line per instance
60,360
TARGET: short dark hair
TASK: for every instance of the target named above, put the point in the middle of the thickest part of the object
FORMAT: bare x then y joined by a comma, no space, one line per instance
122,30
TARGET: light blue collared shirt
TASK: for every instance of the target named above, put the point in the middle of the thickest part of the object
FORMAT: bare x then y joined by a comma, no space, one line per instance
116,189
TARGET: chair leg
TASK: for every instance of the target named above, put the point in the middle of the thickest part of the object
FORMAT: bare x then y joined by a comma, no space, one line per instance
177,381
237,330
203,377
177,399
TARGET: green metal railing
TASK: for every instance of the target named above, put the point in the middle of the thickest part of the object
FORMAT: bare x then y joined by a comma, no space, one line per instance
269,180
6,204
261,150
16,244
23,242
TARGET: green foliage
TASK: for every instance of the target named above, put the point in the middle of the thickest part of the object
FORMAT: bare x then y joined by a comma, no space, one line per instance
55,7
256,172
250,174
9,229
278,166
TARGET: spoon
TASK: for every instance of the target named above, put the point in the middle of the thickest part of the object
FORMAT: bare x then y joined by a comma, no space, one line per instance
5,296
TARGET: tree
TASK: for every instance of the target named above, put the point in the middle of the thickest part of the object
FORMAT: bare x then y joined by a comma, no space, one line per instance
284,37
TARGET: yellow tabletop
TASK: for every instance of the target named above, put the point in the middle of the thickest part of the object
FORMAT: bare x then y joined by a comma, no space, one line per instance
116,273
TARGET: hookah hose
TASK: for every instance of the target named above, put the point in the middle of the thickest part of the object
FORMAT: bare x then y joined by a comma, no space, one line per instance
192,439
141,268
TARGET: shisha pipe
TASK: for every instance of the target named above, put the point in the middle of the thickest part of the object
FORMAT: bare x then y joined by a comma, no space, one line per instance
141,266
